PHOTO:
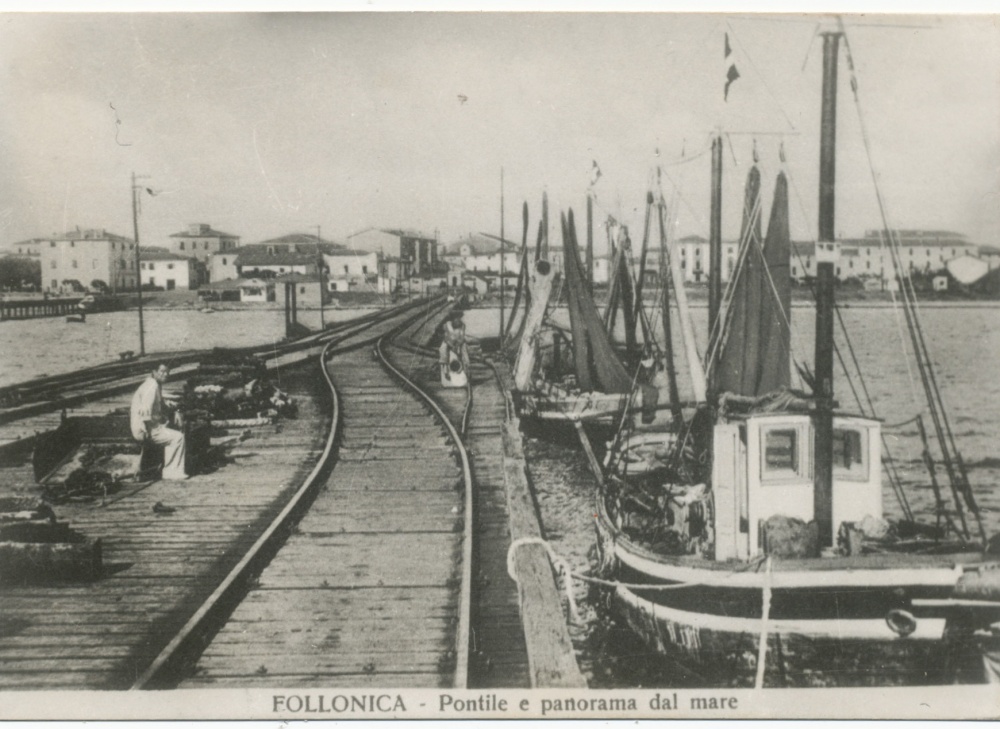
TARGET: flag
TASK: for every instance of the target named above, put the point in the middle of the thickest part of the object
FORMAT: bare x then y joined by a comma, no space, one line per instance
151,192
731,73
595,173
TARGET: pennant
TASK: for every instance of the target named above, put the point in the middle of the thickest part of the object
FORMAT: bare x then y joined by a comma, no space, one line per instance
595,173
151,192
731,74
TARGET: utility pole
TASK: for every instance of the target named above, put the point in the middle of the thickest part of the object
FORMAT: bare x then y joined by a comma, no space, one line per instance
138,276
502,287
322,278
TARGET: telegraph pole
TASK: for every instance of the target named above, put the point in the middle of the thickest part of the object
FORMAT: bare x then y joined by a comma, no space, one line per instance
502,287
322,278
138,276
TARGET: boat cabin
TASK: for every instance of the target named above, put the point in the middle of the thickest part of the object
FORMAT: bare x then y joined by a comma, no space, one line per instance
763,467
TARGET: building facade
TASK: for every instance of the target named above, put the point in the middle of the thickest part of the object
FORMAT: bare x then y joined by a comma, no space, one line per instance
415,251
158,267
200,241
87,256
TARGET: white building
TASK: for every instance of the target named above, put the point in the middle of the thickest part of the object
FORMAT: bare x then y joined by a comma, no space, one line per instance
222,266
414,251
200,241
350,270
86,256
160,267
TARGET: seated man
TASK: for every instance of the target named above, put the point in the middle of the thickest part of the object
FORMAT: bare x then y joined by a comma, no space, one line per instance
148,421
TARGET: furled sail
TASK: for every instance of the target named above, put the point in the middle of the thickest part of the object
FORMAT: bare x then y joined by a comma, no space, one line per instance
755,344
597,365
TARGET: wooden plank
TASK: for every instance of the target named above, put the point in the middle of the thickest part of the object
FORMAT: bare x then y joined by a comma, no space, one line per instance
550,650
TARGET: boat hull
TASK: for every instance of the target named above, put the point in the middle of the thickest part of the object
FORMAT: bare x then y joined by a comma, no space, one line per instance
586,406
842,626
725,652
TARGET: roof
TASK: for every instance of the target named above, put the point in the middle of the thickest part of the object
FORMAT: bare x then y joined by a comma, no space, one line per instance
91,234
231,284
300,239
156,253
989,251
398,232
204,232
346,252
283,252
298,278
481,244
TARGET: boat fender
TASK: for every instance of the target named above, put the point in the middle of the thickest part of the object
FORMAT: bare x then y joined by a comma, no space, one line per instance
901,622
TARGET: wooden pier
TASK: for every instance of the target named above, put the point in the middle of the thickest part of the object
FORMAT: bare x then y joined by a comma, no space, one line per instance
37,308
364,544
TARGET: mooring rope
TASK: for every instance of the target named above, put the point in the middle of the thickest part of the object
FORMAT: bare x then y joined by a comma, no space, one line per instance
764,616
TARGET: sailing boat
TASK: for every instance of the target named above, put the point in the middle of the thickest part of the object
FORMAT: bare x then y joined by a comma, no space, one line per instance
769,563
599,387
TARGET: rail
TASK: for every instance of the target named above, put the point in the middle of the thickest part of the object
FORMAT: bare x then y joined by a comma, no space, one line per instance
465,601
188,642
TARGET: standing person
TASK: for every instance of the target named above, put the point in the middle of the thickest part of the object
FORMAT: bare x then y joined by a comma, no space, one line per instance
148,421
453,341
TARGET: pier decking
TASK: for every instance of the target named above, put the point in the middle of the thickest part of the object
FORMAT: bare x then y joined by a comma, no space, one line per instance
360,545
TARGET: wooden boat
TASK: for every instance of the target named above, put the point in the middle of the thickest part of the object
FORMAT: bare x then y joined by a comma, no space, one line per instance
769,562
599,388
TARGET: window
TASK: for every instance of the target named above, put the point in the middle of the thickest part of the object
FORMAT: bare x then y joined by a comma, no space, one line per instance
170,267
206,245
72,244
302,289
52,264
52,244
782,453
364,269
345,269
182,245
850,456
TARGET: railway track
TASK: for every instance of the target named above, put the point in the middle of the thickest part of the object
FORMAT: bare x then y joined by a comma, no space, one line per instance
168,578
358,568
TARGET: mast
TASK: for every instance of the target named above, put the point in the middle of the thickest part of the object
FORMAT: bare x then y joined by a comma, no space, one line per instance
825,260
715,250
544,249
589,276
687,330
138,275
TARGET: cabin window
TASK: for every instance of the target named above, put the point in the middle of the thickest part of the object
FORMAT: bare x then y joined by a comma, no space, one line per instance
782,453
850,456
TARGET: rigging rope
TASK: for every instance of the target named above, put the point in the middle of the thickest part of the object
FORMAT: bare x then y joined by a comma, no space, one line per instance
911,310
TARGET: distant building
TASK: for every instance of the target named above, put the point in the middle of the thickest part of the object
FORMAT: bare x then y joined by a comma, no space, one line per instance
160,267
85,256
31,247
200,241
866,258
414,251
222,266
350,270
308,289
967,269
295,253
990,254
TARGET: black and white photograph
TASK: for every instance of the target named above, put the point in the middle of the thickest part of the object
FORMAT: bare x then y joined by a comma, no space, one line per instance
567,364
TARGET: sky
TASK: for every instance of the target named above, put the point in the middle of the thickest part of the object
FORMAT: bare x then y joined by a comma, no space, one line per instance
263,124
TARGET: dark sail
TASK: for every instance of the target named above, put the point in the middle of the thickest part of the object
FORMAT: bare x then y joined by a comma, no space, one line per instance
754,357
597,366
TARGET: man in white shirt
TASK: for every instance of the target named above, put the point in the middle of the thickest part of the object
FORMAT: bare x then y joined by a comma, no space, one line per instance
148,421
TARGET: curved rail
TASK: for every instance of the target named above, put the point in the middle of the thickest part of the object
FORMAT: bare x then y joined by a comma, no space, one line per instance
44,394
191,636
465,601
